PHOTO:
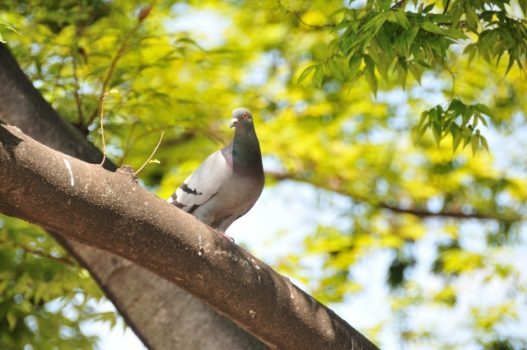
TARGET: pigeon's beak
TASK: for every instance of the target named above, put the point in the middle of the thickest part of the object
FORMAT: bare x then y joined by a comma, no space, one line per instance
234,122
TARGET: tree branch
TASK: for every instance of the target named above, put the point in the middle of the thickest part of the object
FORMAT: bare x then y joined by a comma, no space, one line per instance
75,197
160,313
419,212
78,101
299,18
113,64
398,5
66,260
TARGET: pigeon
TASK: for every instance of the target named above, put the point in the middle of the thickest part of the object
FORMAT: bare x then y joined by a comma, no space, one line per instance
228,183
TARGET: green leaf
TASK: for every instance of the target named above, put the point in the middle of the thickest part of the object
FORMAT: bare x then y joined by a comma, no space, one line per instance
472,18
338,68
384,5
305,73
436,130
107,316
11,320
369,72
401,19
347,43
8,27
381,58
409,36
455,33
402,72
483,141
416,71
474,143
423,123
467,136
457,135
428,8
483,109
482,118
457,107
511,63
318,77
523,6
354,64
435,122
471,50
466,115
432,28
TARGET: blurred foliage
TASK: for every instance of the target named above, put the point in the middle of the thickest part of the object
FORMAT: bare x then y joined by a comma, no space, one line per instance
414,194
45,296
391,39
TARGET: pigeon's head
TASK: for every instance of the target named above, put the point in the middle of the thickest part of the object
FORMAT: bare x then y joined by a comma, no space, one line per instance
241,118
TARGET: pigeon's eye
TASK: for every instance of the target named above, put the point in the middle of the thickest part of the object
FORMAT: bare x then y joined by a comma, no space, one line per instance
245,116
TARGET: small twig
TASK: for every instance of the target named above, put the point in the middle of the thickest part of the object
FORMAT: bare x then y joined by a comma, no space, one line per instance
453,92
120,53
415,211
131,142
107,79
398,5
58,84
103,96
61,259
128,142
78,100
151,155
446,6
299,18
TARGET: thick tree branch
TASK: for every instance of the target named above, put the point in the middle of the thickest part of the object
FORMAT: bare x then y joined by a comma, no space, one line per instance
161,314
336,187
107,210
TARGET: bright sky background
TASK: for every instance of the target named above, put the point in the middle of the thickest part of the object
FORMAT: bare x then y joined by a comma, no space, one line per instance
297,209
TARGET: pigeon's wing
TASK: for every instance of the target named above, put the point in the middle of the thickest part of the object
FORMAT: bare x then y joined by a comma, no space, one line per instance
203,183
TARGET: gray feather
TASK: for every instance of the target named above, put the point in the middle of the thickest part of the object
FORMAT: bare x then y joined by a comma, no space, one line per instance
204,183
228,183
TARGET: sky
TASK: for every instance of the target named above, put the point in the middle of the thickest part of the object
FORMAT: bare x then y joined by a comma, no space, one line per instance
298,208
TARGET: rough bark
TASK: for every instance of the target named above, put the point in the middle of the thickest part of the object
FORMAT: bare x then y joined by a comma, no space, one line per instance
161,314
108,210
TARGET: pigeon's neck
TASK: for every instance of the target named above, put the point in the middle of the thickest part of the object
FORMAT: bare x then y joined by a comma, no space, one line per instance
246,155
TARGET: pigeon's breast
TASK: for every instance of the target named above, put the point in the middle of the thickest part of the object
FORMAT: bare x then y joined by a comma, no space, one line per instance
234,198
239,194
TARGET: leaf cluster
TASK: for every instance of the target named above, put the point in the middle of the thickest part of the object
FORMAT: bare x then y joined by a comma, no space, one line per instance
385,41
44,295
459,120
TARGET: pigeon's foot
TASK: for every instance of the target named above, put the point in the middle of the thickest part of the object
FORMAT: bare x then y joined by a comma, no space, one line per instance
224,235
